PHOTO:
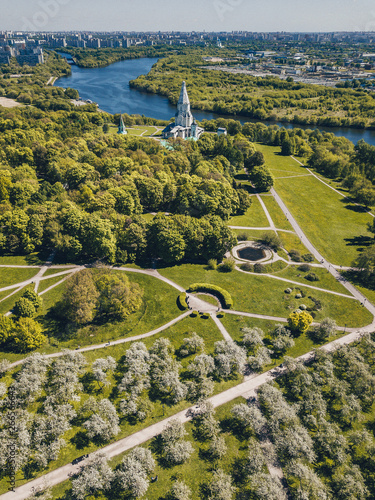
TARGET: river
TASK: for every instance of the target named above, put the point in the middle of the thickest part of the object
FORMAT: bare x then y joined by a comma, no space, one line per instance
109,87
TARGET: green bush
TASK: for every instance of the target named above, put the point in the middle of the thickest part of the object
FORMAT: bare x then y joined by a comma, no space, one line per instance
247,267
295,256
272,241
304,268
258,268
212,264
181,301
224,296
227,266
308,257
312,277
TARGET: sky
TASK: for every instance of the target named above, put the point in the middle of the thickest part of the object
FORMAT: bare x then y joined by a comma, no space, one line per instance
188,15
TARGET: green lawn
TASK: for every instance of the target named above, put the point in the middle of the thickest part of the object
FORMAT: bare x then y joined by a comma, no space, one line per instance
276,213
12,275
34,259
254,217
335,226
8,304
44,284
197,471
264,295
326,280
51,272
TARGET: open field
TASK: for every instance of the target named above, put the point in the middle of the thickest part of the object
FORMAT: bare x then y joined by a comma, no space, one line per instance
266,296
10,276
276,213
254,217
335,226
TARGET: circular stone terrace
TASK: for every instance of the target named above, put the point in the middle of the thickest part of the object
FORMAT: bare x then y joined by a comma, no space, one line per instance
253,252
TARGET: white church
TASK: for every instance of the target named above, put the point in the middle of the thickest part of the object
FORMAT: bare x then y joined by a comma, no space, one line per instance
184,125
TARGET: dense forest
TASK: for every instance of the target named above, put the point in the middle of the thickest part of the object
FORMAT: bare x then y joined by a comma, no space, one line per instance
267,98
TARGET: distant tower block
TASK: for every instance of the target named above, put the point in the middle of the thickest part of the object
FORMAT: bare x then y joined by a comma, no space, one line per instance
121,128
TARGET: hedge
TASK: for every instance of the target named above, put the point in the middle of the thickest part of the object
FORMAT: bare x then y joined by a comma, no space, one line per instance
224,296
182,304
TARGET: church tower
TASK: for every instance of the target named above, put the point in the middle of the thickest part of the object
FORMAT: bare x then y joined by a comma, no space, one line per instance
184,117
121,128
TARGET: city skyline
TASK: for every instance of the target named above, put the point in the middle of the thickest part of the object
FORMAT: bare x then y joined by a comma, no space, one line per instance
212,15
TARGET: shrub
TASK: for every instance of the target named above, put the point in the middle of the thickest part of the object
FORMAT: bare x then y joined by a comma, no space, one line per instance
299,321
24,308
272,241
308,257
295,255
258,268
312,277
227,266
247,267
304,268
194,314
242,237
212,264
181,301
224,296
298,296
288,290
303,307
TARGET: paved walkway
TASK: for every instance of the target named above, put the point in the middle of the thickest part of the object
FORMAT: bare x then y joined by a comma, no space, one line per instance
115,342
246,389
330,267
221,327
268,215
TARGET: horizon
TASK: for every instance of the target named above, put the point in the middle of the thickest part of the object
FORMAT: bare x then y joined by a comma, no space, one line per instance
292,16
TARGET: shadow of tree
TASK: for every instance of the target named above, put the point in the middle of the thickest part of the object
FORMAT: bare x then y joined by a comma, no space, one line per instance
80,440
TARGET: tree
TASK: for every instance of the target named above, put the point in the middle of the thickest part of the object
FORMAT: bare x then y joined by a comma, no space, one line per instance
205,424
252,337
266,487
217,448
366,261
191,345
6,328
229,358
249,417
262,358
178,453
323,332
27,335
180,491
349,483
95,476
262,178
80,298
300,321
132,474
255,160
103,423
202,366
100,367
24,308
255,459
175,449
282,343
118,297
220,486
64,377
305,483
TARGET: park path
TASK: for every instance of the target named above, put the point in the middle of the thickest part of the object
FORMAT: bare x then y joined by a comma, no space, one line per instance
246,390
114,342
221,327
265,209
330,267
